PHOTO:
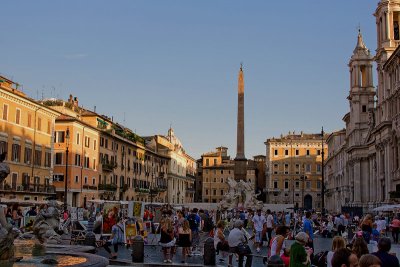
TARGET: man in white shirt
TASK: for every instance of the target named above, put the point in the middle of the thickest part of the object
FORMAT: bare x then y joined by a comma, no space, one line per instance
235,238
258,223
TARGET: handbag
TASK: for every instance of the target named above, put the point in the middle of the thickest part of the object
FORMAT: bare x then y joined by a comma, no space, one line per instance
243,249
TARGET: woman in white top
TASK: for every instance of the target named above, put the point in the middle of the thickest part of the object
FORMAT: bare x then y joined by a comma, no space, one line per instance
337,243
278,242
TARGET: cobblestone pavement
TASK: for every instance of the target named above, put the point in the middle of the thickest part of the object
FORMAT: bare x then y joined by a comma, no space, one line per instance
153,253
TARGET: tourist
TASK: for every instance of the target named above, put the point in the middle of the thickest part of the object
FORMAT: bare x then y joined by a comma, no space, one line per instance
278,242
286,257
16,218
270,225
395,225
167,239
366,227
337,243
235,239
258,223
194,223
287,219
299,255
32,212
369,260
185,239
384,246
116,239
360,247
220,242
246,219
308,229
381,225
344,258
375,233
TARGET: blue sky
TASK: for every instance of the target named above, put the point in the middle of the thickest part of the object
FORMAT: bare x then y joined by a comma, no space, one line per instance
157,63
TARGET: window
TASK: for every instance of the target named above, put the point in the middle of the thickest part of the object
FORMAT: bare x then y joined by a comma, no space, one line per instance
308,184
215,180
297,184
319,184
106,143
276,152
86,180
286,184
77,160
95,144
308,168
76,179
318,168
297,152
16,153
93,181
206,191
308,152
28,155
58,177
30,120
86,164
286,152
364,108
215,161
275,184
222,180
276,168
101,141
207,162
318,152
286,168
17,116
59,137
297,168
58,160
222,171
87,141
39,124
94,164
5,112
77,138
214,192
47,159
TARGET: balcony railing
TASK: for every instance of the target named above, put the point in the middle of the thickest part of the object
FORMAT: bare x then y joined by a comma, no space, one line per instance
142,190
89,187
108,167
31,188
107,187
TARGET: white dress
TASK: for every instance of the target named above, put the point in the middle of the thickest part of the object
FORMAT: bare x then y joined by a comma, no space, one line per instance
273,247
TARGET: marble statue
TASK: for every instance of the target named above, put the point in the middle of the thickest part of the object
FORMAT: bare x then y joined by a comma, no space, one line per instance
46,223
240,191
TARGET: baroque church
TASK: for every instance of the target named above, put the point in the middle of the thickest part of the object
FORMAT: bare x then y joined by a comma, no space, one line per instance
362,169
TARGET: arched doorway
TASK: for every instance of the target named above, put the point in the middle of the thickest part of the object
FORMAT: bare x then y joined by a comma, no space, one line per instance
307,202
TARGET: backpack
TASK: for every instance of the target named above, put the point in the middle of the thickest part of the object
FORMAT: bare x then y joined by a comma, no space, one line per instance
193,223
208,224
320,259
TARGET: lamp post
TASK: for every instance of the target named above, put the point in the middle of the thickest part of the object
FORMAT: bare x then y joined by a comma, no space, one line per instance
322,176
66,168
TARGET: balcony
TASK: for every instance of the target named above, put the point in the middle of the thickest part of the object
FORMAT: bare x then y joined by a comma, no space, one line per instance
107,187
31,188
108,167
89,187
142,190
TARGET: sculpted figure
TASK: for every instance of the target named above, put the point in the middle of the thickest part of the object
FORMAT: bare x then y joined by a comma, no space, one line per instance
46,223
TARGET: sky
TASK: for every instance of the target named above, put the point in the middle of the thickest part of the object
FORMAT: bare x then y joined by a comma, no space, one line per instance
152,64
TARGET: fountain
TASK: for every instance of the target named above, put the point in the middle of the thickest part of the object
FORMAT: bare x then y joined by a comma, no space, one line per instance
240,194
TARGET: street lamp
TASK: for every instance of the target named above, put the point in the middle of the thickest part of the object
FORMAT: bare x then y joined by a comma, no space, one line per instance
66,168
322,176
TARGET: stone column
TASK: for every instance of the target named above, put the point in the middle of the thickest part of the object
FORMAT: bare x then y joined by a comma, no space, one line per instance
357,182
240,160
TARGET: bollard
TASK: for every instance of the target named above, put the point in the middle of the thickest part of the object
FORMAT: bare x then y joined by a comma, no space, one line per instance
90,237
138,249
209,252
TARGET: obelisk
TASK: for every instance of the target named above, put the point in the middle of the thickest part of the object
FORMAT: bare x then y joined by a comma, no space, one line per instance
240,159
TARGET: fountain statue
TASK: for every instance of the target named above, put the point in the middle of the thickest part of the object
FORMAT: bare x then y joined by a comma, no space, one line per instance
240,193
46,223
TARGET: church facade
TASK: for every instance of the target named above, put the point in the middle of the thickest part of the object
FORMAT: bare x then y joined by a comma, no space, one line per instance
362,168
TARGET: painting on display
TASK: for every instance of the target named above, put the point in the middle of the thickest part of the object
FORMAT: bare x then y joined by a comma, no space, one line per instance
110,215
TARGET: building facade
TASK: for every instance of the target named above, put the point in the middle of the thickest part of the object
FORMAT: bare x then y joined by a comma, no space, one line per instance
371,174
293,170
217,167
26,134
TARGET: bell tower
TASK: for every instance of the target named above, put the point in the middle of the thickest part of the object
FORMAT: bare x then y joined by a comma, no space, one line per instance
362,92
387,16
